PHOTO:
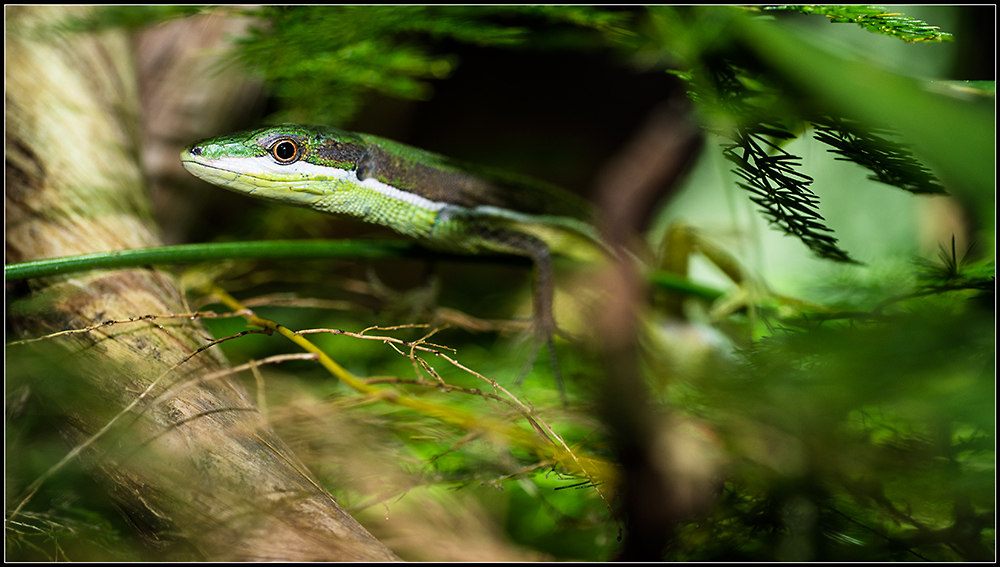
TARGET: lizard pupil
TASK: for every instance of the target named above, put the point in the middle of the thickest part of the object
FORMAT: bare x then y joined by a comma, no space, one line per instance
285,151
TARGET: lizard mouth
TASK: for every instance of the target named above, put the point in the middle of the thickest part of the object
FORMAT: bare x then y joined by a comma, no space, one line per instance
260,184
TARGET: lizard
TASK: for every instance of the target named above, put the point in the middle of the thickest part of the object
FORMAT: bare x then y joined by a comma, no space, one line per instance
442,203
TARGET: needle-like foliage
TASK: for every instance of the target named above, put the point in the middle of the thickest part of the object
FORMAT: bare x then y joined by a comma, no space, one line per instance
857,426
889,161
753,109
874,19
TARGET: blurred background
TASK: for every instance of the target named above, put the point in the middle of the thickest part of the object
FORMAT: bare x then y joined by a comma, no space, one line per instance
798,409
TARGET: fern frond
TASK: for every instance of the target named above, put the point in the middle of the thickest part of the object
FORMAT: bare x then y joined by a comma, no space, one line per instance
956,273
875,19
890,162
782,192
730,94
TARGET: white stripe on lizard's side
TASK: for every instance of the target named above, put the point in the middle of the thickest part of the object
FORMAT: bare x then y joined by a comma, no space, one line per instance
265,168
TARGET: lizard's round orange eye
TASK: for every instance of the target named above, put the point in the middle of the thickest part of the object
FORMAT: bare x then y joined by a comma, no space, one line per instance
285,151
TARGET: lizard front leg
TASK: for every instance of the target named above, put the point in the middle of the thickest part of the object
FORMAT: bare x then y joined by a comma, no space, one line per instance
544,322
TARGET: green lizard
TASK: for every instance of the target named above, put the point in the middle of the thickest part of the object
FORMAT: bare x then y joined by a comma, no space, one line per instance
440,202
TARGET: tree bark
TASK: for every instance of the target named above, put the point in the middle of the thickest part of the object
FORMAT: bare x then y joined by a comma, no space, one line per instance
193,461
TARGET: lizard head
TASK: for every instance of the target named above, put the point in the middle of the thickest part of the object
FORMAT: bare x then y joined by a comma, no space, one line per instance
288,163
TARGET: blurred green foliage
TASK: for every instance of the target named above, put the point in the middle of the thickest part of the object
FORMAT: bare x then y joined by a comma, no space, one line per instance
860,428
321,60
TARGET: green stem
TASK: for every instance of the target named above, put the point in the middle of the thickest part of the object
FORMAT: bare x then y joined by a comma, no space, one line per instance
284,249
189,253
672,282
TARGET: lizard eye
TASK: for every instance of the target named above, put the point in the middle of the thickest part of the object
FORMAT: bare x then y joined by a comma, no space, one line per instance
285,151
